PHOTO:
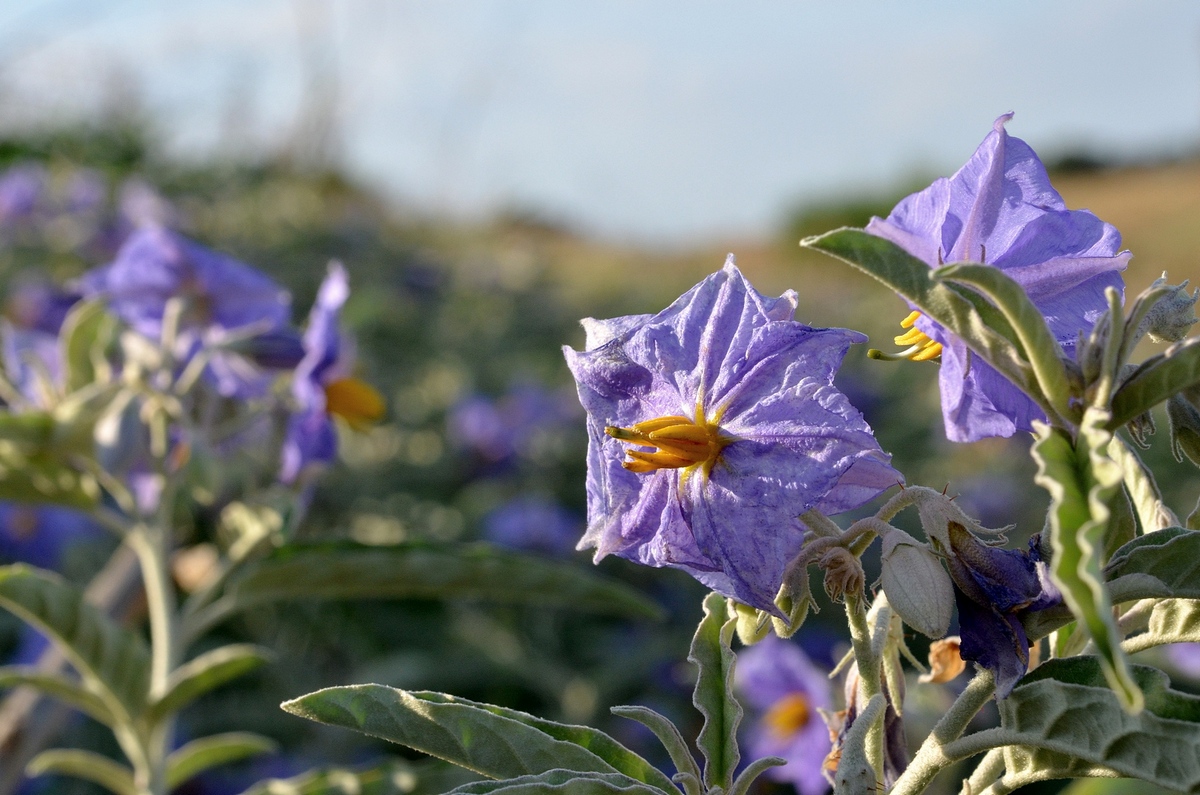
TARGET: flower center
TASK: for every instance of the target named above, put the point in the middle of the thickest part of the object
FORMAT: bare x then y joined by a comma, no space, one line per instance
920,347
357,402
789,715
678,442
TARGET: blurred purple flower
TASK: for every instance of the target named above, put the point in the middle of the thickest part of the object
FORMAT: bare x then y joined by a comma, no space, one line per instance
993,587
86,192
784,690
222,296
1185,657
1001,209
512,425
21,189
40,535
39,305
321,386
533,523
736,427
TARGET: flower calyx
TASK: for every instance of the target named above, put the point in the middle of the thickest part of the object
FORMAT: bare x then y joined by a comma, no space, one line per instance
843,573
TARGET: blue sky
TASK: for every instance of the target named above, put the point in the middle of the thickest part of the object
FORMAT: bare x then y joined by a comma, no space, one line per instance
666,122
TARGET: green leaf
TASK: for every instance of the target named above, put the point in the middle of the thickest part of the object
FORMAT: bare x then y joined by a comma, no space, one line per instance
462,734
30,469
1163,564
560,782
58,686
621,758
1171,621
392,778
1153,514
667,734
742,784
1065,706
712,655
981,326
86,765
87,332
419,571
1037,342
204,673
1082,483
199,755
1156,380
114,661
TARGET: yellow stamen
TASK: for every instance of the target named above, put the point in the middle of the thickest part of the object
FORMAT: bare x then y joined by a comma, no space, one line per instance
788,716
920,348
357,402
678,442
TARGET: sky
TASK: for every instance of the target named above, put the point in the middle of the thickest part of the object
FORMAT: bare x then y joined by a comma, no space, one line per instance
657,122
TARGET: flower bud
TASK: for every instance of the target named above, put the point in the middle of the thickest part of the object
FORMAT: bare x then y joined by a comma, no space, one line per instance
1173,315
945,661
752,624
917,586
843,573
794,599
1185,426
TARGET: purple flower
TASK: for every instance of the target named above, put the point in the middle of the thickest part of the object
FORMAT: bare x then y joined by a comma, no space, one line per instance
784,689
712,426
222,295
514,425
1000,209
1185,657
534,523
993,588
40,535
321,387
21,188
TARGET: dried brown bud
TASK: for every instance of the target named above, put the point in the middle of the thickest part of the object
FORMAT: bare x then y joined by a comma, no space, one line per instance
843,573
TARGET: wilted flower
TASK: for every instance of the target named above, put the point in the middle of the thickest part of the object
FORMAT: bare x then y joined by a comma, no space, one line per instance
945,661
220,294
322,387
992,588
712,426
785,690
1000,209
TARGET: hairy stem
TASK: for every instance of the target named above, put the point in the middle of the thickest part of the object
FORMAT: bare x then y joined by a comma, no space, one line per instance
935,753
870,683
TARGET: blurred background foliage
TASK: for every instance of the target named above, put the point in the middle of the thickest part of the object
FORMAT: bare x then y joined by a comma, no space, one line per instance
461,328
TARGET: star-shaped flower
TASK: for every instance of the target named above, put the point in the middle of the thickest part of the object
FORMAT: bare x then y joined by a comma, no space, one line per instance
1000,209
712,426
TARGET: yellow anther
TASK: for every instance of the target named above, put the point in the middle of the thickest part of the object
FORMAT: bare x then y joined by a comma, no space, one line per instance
911,337
931,350
919,347
357,402
789,715
678,443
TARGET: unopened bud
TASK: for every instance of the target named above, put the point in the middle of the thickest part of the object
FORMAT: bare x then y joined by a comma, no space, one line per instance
794,599
752,624
1173,315
277,349
1184,417
843,573
945,661
917,586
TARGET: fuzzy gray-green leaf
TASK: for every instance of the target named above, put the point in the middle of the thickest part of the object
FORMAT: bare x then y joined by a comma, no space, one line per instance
420,571
204,673
560,782
60,687
1155,381
86,765
492,745
1082,483
199,755
713,696
114,660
